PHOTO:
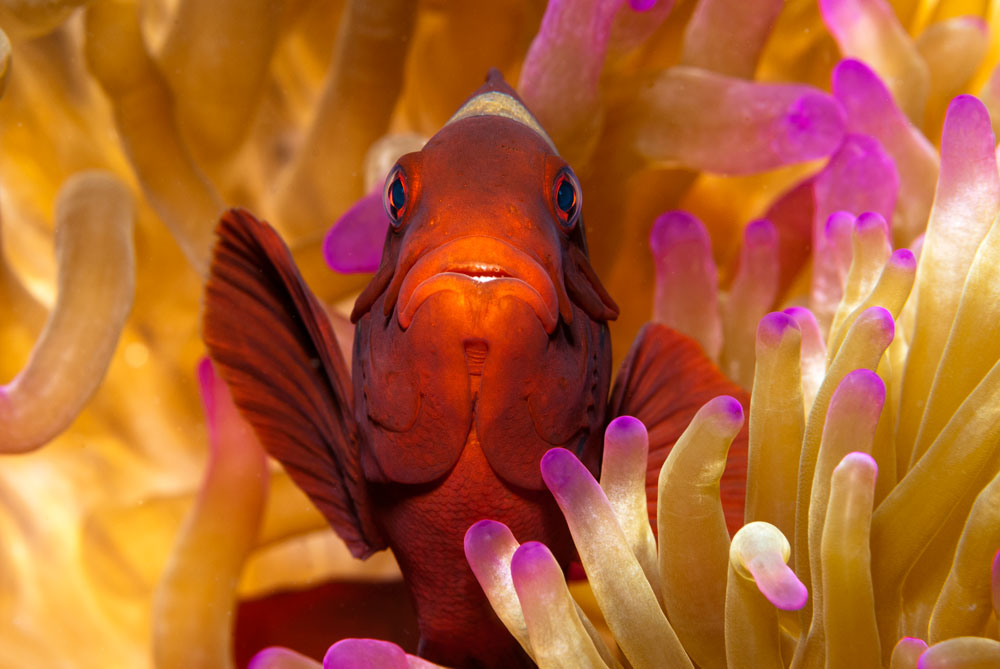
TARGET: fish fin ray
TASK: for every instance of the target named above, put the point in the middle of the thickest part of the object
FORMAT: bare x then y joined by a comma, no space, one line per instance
663,381
275,347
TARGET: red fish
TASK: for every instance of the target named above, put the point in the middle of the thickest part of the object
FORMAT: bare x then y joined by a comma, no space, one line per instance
481,342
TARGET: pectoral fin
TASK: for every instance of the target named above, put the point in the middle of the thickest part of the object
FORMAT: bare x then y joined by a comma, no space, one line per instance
663,381
273,344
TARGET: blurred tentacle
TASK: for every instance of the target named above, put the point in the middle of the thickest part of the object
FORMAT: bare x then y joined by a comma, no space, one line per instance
143,108
217,82
195,600
353,111
95,292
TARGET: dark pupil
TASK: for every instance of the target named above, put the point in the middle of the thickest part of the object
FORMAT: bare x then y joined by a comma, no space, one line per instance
397,197
566,197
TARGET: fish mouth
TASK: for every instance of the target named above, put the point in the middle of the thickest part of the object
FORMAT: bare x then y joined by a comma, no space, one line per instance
484,264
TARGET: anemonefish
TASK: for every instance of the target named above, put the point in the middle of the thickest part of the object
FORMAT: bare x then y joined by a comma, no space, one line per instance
481,342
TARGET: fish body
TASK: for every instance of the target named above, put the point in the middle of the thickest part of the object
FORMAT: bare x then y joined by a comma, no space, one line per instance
472,360
481,343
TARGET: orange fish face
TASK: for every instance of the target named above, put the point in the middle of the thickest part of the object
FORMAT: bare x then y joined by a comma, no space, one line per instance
483,222
484,322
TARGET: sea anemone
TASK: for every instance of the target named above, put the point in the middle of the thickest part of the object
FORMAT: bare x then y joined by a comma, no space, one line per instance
126,127
889,567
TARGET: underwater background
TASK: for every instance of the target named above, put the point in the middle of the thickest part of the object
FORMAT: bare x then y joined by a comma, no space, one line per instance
803,162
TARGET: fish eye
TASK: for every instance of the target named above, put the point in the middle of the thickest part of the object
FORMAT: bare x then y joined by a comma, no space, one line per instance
567,200
395,197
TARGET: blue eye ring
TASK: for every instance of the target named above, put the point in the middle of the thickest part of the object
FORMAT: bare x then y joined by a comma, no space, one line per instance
395,197
566,199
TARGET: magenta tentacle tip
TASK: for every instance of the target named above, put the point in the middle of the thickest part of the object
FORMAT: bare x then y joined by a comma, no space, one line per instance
559,466
806,321
722,416
528,559
966,104
858,87
864,381
913,644
798,313
904,259
534,571
967,122
812,126
760,233
779,585
206,388
206,375
625,427
849,71
263,657
363,654
774,327
838,222
729,407
482,534
791,598
675,227
883,317
870,220
860,459
354,243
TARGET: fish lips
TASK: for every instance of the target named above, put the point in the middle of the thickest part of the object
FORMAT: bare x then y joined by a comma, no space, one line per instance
472,264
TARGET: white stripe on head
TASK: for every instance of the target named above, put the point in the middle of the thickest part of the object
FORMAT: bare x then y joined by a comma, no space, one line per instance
495,103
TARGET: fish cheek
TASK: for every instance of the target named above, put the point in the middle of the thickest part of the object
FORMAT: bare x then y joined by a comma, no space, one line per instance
539,392
412,400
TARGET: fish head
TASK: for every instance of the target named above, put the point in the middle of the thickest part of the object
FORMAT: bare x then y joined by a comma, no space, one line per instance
485,320
487,208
